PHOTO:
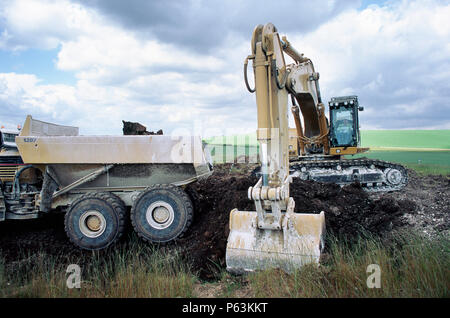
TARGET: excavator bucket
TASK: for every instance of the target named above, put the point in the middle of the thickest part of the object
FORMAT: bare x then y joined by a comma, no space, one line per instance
249,248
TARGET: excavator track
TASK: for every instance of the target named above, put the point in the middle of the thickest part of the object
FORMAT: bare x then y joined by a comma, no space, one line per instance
373,175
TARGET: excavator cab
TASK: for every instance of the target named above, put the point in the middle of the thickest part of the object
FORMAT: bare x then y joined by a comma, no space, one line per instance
344,135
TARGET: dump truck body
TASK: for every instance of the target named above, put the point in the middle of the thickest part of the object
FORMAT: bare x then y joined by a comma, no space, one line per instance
109,172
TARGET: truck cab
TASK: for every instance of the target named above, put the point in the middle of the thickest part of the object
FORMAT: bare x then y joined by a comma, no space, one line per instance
9,154
8,138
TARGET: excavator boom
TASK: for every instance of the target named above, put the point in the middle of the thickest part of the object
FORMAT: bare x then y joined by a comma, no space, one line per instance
273,235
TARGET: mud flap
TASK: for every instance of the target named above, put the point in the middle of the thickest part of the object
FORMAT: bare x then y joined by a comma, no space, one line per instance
299,242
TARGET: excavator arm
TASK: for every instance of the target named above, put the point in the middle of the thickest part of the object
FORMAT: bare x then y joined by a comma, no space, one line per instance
303,84
273,235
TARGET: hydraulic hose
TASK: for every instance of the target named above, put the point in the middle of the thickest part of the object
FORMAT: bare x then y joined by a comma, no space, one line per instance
245,74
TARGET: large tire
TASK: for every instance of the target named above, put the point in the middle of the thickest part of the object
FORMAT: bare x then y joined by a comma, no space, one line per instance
162,213
194,196
95,220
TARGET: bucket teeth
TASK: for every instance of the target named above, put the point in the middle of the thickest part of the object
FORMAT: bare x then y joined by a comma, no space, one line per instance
249,248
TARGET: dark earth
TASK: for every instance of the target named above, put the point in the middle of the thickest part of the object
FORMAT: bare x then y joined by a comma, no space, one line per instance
132,128
423,206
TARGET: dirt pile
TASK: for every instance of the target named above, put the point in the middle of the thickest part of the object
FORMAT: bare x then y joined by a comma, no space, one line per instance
131,128
37,235
206,242
349,211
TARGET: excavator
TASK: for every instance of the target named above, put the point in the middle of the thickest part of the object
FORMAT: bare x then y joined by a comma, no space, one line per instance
317,146
273,236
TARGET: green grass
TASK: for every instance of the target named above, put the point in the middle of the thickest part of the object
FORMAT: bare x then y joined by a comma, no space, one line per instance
223,153
415,267
439,139
426,170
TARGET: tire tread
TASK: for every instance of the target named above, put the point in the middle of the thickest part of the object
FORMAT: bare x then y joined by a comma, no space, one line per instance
111,199
181,194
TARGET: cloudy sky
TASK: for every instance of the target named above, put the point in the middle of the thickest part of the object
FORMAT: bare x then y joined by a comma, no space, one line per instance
177,65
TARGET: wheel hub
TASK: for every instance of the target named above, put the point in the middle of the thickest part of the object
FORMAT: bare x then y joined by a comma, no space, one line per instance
92,223
394,176
160,215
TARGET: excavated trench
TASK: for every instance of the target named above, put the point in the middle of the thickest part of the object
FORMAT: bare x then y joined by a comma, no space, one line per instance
423,205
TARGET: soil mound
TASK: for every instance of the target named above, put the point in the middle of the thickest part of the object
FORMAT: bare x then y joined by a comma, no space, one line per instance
349,211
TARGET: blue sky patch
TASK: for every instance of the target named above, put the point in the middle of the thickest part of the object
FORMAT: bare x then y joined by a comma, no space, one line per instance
41,63
366,3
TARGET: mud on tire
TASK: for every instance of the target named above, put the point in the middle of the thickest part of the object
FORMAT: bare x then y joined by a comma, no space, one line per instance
95,221
194,196
162,213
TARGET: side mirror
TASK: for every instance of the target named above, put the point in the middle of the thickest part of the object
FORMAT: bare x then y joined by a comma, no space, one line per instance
360,108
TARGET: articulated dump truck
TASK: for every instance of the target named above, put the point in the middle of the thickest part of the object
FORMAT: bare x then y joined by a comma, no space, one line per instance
95,180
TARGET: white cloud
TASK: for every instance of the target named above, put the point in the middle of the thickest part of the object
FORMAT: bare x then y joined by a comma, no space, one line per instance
41,24
397,64
386,54
120,76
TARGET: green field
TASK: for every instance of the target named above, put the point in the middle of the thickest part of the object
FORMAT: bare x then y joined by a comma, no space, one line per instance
426,151
429,139
239,140
437,139
427,162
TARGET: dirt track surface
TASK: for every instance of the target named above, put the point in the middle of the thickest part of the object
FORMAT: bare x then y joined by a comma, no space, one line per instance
424,205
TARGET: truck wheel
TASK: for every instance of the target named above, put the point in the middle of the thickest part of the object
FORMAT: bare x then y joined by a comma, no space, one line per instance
162,213
95,220
194,196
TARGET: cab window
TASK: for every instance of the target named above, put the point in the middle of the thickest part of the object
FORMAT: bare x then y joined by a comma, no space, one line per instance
9,137
343,126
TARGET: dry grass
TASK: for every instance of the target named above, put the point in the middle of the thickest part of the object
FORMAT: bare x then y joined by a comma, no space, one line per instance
133,271
412,267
